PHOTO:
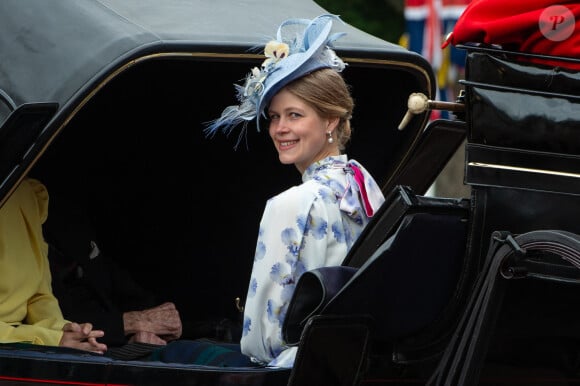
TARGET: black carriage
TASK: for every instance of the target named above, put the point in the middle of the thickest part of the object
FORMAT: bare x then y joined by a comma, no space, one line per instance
110,98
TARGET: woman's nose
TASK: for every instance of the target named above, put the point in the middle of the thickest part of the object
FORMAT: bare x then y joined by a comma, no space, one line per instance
278,125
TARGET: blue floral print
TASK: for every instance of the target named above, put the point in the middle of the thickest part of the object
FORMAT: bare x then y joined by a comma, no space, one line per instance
338,232
246,327
307,226
253,288
260,251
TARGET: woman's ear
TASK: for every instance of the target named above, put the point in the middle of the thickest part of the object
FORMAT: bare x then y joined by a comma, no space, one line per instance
332,124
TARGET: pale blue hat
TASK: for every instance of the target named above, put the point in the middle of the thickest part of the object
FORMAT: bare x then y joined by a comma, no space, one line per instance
301,47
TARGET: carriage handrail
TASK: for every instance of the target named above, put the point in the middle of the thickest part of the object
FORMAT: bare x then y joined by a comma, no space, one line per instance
419,103
8,101
501,51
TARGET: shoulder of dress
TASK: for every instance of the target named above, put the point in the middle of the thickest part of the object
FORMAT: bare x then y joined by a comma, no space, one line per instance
297,195
305,189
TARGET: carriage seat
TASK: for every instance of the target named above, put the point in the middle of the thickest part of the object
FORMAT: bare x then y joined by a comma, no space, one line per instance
404,287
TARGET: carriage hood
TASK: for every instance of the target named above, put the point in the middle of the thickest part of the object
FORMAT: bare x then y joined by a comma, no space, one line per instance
56,57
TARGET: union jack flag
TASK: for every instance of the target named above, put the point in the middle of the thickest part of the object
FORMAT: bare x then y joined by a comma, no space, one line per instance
427,24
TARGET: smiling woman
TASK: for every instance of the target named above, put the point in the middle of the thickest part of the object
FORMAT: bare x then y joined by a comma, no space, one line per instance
304,132
313,224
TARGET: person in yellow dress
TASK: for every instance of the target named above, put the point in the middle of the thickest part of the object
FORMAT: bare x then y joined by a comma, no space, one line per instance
29,312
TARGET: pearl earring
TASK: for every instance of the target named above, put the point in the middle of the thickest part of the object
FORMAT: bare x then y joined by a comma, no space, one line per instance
330,139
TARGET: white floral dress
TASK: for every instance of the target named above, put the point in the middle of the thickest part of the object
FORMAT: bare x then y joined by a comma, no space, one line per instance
307,226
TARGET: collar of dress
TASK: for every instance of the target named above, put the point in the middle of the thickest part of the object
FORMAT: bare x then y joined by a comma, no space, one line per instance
332,162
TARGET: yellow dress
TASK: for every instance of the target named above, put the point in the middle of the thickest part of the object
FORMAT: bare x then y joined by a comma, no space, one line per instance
29,312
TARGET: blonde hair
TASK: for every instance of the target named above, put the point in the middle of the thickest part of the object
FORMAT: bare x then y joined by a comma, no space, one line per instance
327,92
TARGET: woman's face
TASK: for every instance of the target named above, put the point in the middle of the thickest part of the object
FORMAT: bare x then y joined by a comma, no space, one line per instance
298,132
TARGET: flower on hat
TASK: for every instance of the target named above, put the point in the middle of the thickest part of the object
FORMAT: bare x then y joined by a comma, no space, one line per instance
275,51
254,83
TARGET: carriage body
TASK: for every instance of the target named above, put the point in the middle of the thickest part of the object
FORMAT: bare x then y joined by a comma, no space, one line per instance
111,98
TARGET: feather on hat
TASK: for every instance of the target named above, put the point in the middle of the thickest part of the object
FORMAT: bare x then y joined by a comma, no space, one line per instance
288,57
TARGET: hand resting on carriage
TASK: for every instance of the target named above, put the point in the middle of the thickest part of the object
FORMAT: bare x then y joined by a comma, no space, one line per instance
82,337
156,325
